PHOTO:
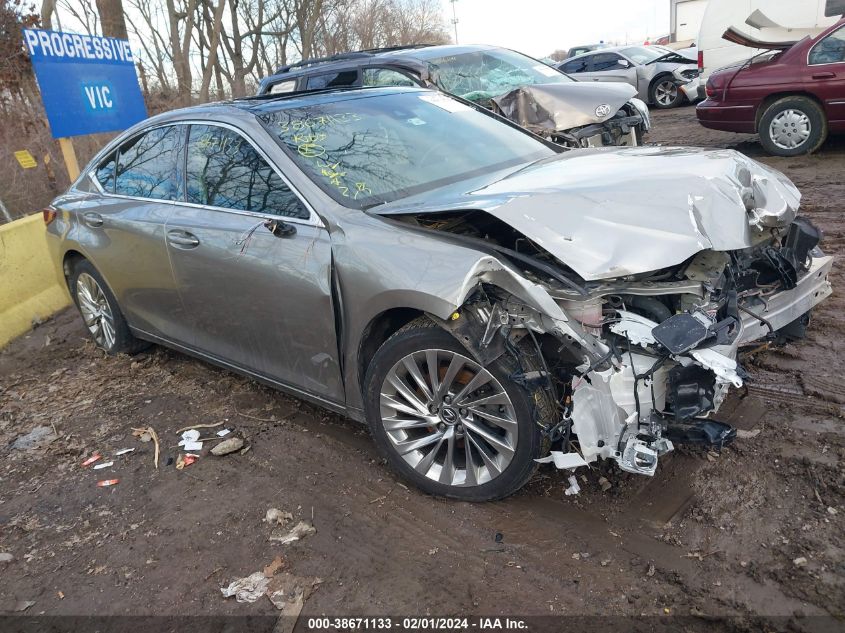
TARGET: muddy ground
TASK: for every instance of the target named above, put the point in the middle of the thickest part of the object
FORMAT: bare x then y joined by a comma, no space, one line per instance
754,531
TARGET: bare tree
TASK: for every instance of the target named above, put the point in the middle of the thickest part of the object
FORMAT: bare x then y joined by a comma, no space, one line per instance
111,17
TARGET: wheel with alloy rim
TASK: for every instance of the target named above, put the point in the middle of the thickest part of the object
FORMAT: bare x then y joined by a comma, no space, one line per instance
95,310
450,425
792,126
665,93
100,312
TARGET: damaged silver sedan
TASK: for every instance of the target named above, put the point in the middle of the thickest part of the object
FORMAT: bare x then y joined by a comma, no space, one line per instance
483,299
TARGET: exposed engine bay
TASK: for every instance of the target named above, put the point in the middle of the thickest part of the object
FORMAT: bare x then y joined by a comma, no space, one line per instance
639,362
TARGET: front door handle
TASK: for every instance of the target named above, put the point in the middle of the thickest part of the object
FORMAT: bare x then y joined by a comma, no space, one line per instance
824,75
182,239
92,219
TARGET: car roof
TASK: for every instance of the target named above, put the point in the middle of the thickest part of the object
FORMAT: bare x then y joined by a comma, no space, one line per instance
416,53
272,103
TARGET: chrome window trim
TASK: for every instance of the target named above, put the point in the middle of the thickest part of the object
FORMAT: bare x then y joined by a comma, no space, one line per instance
822,39
312,220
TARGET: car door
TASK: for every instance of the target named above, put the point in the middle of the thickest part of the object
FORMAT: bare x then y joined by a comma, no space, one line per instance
576,67
253,265
611,67
826,75
122,231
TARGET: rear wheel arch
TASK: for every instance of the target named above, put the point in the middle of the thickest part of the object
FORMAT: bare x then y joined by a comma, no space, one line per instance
770,99
69,261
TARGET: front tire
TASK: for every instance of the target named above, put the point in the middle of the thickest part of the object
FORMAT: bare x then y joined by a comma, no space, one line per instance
447,424
792,126
664,93
99,310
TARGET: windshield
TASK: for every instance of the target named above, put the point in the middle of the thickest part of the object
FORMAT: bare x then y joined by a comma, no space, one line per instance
643,54
381,148
481,75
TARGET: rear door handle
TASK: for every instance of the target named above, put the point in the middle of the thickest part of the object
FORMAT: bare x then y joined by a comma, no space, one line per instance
824,75
183,239
92,219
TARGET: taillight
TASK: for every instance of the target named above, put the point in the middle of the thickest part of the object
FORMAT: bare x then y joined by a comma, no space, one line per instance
710,90
700,59
49,215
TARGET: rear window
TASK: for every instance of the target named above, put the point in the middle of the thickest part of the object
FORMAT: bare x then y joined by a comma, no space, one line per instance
146,164
341,79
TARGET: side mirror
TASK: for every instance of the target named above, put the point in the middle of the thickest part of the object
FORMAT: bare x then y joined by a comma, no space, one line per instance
280,229
624,63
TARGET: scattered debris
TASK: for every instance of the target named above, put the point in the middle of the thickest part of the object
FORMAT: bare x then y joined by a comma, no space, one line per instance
23,605
200,426
248,589
275,516
223,433
800,561
747,435
61,595
108,482
605,484
288,594
6,557
34,439
228,446
299,531
273,568
574,488
831,511
576,556
190,441
651,570
150,434
499,537
185,460
95,457
123,451
103,465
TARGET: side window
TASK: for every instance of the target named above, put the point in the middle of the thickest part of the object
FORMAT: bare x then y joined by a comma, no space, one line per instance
283,87
830,50
340,79
605,61
105,172
386,77
146,164
225,170
575,66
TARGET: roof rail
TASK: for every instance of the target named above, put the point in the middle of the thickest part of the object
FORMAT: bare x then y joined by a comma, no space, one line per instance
321,60
367,52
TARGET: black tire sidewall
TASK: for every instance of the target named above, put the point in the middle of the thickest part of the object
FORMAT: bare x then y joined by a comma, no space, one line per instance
653,97
124,342
529,439
818,131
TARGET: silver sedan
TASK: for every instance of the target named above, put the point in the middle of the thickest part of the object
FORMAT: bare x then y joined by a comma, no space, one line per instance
482,298
662,77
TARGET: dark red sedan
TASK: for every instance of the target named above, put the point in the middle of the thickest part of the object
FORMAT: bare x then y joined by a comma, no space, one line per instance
792,96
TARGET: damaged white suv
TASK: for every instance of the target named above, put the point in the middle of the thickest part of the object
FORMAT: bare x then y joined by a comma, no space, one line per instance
482,298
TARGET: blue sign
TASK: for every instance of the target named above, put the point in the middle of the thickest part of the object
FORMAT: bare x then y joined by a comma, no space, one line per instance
88,83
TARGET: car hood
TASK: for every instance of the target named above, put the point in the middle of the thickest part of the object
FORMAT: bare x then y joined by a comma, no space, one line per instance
563,106
608,213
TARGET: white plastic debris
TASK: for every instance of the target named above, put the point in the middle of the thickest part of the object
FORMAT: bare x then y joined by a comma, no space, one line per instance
123,451
563,460
103,465
189,440
223,432
300,530
248,589
574,488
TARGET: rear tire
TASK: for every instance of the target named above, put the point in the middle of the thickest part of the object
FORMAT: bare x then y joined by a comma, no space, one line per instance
792,126
100,312
402,409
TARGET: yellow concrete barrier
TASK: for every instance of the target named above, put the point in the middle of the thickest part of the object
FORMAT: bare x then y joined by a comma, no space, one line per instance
29,288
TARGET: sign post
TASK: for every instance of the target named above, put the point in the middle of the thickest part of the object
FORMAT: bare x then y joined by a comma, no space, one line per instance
88,85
